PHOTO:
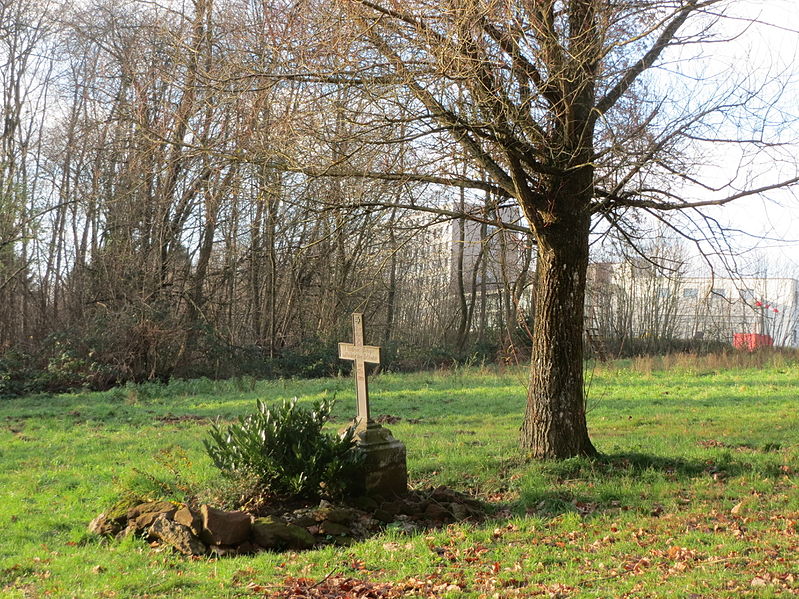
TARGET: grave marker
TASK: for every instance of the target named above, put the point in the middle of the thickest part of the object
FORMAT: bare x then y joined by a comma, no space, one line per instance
361,354
384,471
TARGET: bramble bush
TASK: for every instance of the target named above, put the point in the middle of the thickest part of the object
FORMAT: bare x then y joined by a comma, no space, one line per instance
285,449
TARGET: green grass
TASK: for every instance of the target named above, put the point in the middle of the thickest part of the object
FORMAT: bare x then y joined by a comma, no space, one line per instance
696,494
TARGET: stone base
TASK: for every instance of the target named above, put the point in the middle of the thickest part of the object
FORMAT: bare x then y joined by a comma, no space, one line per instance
384,471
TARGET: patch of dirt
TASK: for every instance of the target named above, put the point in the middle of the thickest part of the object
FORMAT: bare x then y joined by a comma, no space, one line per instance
742,447
173,419
389,419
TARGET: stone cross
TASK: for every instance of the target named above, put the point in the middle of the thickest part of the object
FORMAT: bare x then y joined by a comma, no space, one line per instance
360,354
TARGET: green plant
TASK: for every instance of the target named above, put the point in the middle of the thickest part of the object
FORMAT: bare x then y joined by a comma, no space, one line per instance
15,372
285,449
677,461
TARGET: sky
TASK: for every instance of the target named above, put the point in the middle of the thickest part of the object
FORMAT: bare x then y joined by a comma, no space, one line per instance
760,51
769,48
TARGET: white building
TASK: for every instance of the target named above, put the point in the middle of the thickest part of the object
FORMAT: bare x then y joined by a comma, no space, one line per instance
458,266
640,302
721,307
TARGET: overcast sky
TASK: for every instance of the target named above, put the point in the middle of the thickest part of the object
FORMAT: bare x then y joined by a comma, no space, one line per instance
771,48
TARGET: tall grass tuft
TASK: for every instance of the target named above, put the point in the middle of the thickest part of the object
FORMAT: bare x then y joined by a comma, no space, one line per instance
715,362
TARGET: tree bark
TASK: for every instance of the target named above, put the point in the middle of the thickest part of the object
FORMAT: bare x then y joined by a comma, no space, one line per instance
554,423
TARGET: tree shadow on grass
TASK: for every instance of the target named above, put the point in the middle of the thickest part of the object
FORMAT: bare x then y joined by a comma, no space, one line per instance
627,481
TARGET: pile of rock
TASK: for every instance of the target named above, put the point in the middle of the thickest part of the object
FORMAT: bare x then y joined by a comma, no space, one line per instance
207,530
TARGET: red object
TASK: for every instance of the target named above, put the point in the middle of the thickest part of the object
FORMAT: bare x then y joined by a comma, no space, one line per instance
751,341
776,311
758,304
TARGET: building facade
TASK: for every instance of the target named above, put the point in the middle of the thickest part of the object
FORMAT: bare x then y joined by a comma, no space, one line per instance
637,302
465,275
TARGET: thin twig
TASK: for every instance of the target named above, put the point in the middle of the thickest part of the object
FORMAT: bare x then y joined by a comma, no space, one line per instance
316,584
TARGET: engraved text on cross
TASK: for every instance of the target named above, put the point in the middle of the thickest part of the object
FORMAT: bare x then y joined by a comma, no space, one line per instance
360,354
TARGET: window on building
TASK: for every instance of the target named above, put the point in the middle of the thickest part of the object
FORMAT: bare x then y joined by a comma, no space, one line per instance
664,292
690,292
718,292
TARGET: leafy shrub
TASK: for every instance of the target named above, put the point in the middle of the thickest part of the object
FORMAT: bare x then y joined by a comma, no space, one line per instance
285,449
312,358
235,491
15,373
66,370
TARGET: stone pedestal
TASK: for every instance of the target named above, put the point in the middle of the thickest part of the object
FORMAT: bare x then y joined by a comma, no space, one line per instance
384,471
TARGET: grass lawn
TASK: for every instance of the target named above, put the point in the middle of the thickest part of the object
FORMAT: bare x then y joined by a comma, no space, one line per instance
696,495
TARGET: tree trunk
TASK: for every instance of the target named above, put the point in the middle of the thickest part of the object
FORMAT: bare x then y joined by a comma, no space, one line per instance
554,424
483,277
391,296
460,288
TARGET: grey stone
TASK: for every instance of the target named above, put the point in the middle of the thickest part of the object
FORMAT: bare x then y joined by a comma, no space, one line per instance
383,470
177,536
224,528
270,533
333,528
146,519
105,526
189,518
383,516
333,514
151,507
304,518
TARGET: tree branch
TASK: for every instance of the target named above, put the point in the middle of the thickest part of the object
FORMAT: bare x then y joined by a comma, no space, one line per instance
648,59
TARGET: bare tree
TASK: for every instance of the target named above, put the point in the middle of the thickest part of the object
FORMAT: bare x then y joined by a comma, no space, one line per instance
636,298
26,34
563,106
220,176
